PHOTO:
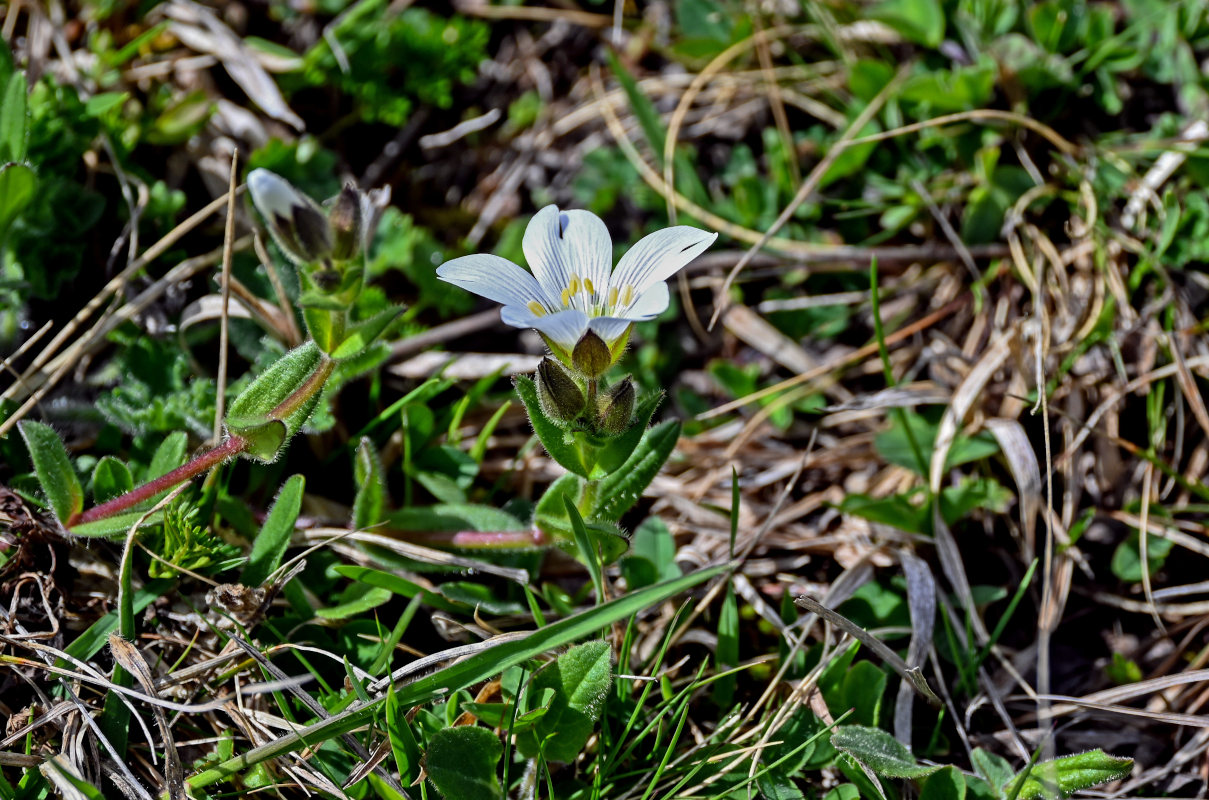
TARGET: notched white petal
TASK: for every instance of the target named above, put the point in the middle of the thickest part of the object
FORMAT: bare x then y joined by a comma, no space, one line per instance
609,328
273,195
659,256
571,253
493,277
564,328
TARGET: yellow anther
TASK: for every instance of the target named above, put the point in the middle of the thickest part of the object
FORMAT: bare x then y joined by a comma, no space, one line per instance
566,297
588,285
574,287
612,296
537,308
627,294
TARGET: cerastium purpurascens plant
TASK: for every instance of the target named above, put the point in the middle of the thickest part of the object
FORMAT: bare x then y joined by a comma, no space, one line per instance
585,310
328,246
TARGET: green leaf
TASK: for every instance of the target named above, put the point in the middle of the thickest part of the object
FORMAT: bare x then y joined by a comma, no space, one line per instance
879,751
461,763
919,21
274,536
580,678
652,556
863,687
117,525
1127,558
1071,773
944,784
90,642
250,414
110,478
474,669
552,437
620,491
169,455
895,446
100,104
53,468
369,504
363,334
14,118
402,740
356,601
588,554
726,654
17,185
996,770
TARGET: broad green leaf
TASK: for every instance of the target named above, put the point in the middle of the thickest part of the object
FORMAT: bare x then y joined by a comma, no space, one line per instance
920,21
169,455
580,678
996,770
14,118
369,504
879,751
357,601
1127,557
17,188
777,785
117,525
474,669
274,536
552,437
944,784
253,413
453,517
461,762
402,740
53,468
621,490
100,104
652,555
1071,773
894,445
863,687
110,478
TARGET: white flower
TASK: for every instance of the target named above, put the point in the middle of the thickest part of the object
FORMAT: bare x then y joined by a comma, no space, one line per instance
572,289
296,221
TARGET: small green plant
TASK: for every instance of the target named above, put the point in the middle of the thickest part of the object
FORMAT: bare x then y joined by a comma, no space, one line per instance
585,310
328,247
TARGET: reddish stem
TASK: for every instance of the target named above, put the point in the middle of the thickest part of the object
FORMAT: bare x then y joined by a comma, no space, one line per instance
233,446
309,388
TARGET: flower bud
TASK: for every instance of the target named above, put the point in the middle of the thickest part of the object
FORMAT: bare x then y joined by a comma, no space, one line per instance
616,408
561,398
345,220
296,222
591,355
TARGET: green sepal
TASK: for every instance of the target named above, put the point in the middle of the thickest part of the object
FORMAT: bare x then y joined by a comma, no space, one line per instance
363,334
552,437
265,437
250,414
53,468
319,326
620,490
614,451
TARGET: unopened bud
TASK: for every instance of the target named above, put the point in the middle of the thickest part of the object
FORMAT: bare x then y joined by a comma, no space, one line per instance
296,222
345,220
591,355
616,408
561,398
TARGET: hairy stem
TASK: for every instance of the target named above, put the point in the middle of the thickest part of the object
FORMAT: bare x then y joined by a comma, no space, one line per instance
232,447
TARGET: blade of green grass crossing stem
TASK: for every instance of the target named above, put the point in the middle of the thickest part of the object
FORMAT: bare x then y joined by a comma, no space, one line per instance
478,667
880,333
734,509
587,551
115,716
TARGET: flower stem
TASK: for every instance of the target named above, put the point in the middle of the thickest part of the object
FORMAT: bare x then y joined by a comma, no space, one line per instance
232,447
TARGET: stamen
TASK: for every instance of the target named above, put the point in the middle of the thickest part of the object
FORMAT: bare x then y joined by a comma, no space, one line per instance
574,287
627,294
537,308
588,285
612,296
566,297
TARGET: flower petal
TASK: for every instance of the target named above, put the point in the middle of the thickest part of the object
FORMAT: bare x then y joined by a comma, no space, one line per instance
559,244
609,328
659,256
495,278
564,328
651,303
